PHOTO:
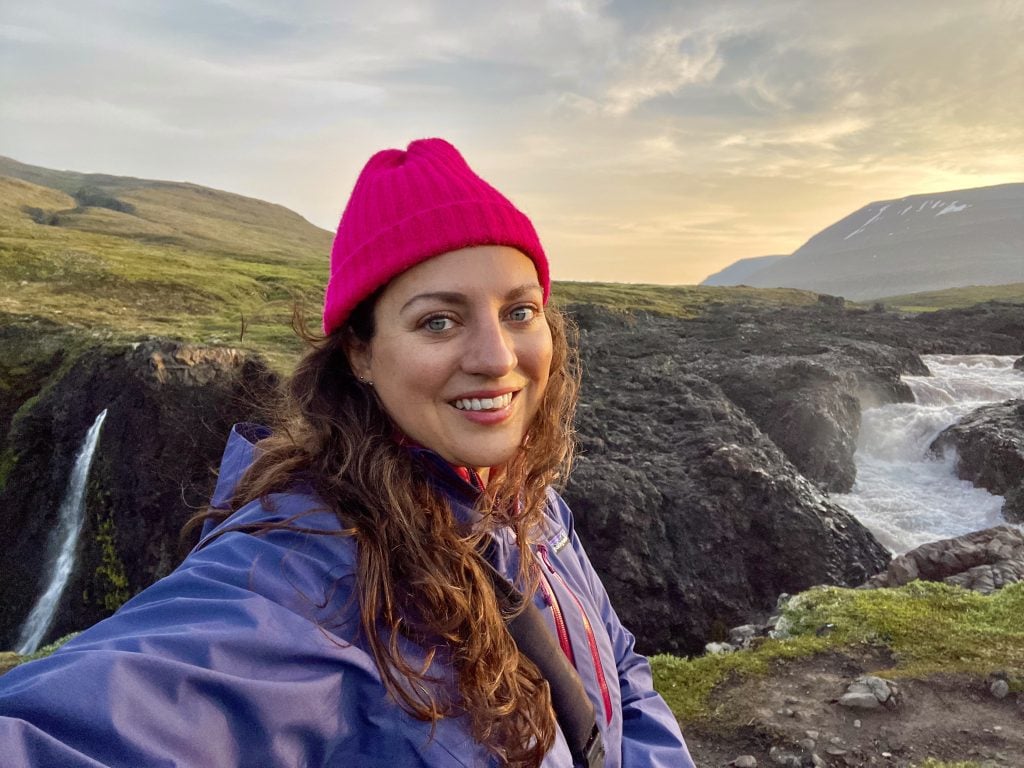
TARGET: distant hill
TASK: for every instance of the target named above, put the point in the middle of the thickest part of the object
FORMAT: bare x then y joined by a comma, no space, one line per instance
913,244
737,272
135,257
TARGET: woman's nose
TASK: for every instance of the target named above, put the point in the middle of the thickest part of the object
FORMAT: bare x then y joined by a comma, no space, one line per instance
491,350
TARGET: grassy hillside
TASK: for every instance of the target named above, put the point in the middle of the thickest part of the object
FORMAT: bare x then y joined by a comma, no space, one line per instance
126,257
952,298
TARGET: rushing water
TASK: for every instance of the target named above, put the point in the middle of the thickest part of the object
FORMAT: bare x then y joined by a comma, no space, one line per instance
906,497
62,545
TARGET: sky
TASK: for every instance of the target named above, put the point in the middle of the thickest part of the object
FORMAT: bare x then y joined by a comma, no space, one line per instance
649,141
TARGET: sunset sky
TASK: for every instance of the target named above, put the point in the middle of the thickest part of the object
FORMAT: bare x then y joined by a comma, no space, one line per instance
650,141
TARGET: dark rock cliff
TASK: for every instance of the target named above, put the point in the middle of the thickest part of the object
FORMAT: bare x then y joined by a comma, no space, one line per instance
169,407
693,517
706,448
989,446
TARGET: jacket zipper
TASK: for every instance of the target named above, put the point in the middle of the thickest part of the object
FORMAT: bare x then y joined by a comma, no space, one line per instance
591,639
556,611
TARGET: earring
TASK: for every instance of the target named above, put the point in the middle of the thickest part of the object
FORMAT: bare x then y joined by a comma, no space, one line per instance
365,381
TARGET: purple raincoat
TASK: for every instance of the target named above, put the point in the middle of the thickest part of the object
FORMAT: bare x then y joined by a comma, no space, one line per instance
248,655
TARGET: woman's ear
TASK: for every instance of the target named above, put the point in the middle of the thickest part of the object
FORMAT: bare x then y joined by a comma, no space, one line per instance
359,356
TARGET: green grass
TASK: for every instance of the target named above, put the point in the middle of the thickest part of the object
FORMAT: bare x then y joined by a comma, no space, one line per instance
928,628
675,300
953,298
188,263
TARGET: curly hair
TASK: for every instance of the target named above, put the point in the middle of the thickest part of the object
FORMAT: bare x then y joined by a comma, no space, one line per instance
420,575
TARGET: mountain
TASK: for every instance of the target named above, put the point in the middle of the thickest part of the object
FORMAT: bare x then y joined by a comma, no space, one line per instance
737,272
913,244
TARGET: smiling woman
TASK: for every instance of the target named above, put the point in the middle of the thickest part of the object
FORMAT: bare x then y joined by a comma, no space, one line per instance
461,353
386,578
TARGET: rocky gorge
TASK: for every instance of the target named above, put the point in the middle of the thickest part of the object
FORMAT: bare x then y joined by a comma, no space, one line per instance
708,448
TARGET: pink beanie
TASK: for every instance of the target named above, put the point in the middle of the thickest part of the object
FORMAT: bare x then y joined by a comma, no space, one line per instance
410,206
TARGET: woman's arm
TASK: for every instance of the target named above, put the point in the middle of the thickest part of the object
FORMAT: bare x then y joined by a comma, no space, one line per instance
233,660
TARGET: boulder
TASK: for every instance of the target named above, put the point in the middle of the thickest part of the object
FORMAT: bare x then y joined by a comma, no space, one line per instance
1018,364
989,446
983,561
692,516
170,406
808,411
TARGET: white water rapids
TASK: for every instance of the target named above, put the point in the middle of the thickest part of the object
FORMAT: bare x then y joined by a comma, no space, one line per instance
906,497
62,544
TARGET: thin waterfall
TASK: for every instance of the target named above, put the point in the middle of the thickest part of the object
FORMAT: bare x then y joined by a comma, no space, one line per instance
63,543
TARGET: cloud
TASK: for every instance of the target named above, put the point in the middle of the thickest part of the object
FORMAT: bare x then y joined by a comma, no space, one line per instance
645,128
658,65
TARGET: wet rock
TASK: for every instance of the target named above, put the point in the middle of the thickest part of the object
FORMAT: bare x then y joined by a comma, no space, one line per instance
170,406
692,516
1000,689
989,446
1018,364
983,561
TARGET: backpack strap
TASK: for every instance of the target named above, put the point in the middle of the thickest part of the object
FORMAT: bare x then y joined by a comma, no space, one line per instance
573,708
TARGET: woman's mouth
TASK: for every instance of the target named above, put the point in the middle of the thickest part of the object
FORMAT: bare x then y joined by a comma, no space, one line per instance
484,403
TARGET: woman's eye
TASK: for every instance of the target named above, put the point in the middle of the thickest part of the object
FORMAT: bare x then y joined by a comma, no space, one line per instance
522,314
438,324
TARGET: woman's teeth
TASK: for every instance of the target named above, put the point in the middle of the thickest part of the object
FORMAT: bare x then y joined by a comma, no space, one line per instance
484,403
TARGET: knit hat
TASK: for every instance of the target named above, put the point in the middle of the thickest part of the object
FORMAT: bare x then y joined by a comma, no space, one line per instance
410,206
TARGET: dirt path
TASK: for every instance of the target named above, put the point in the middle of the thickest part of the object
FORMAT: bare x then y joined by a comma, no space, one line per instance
795,712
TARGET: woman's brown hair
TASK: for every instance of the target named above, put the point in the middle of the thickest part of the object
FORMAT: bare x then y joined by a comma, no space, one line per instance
420,575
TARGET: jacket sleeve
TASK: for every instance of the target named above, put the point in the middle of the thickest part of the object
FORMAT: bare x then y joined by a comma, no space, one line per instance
650,733
229,661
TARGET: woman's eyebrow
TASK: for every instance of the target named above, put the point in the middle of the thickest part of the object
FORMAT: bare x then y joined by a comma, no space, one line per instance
454,297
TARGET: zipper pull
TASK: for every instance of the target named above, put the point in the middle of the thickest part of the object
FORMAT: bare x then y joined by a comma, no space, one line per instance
542,549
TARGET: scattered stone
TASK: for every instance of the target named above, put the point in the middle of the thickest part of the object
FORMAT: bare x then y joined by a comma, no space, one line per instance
745,761
1000,689
785,759
870,692
818,762
808,744
718,648
743,634
859,700
983,561
811,735
835,751
856,723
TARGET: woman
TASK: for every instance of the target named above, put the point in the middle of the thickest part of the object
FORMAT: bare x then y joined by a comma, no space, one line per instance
350,602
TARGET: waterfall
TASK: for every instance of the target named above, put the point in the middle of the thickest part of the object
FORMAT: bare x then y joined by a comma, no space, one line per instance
904,495
62,544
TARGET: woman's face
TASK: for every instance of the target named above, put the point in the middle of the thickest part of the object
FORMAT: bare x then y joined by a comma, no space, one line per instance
461,353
